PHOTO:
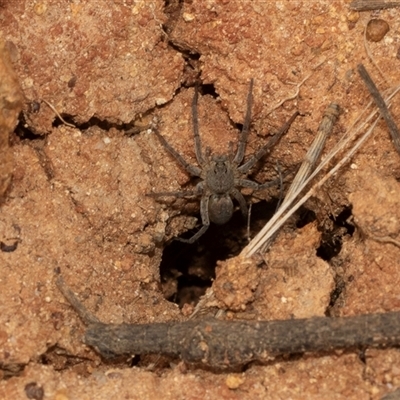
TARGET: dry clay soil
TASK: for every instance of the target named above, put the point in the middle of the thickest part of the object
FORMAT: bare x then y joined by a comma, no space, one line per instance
78,200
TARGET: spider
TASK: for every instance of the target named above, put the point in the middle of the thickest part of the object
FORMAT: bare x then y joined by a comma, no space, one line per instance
221,175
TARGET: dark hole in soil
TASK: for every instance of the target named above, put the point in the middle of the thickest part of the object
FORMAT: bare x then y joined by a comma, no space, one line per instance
172,9
331,243
59,358
305,217
187,270
239,127
335,295
208,89
23,132
134,361
192,56
94,121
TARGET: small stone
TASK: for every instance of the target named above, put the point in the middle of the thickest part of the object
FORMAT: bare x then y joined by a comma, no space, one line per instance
61,395
353,16
234,381
40,8
188,17
376,30
34,391
161,100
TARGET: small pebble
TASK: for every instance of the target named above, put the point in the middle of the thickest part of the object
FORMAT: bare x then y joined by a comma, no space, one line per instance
376,30
40,8
34,391
188,17
353,16
72,82
234,381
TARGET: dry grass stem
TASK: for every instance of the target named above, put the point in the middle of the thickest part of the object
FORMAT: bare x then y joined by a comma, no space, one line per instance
58,115
371,57
352,133
292,97
324,130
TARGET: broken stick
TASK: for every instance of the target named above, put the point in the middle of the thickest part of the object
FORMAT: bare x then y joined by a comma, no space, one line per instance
380,103
226,344
369,5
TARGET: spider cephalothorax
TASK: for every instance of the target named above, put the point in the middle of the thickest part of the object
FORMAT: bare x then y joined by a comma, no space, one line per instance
221,175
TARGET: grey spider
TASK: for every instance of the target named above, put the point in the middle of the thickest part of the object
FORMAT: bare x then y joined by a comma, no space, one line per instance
220,175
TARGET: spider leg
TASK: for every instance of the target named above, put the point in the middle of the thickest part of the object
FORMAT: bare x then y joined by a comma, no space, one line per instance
240,199
186,193
198,190
246,125
280,177
201,232
204,218
195,119
191,169
264,150
247,183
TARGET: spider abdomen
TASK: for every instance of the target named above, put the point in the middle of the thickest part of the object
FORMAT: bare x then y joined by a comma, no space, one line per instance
220,209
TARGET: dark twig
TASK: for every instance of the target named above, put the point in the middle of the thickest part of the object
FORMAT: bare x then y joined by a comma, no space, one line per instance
87,317
378,99
368,5
225,344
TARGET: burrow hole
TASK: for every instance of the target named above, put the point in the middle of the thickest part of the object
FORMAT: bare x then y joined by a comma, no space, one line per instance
187,270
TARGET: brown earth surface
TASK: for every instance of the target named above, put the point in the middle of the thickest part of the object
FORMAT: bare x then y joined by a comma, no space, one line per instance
77,200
